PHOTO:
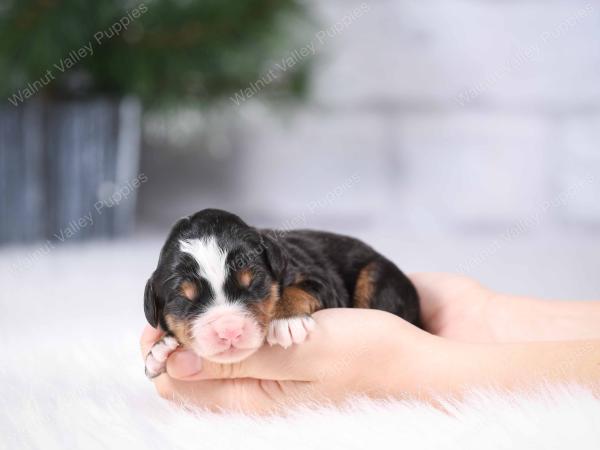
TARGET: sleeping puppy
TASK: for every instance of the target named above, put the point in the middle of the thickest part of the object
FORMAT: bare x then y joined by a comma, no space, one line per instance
222,287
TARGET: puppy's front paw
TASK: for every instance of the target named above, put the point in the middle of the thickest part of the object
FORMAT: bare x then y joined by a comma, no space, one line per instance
286,332
157,356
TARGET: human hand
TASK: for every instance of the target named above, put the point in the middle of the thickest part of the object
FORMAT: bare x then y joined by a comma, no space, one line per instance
351,352
455,306
459,308
370,353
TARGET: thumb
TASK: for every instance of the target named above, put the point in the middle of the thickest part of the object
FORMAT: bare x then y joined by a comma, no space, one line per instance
268,363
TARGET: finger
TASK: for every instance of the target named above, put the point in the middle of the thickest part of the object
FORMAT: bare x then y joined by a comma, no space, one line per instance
272,363
245,395
149,337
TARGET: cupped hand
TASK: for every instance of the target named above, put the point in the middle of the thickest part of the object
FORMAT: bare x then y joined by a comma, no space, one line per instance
351,352
456,307
492,339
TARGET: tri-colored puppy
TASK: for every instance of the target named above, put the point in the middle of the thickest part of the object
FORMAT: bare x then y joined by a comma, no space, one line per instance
222,287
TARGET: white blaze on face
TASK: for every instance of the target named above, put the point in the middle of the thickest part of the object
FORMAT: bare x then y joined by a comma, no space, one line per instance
212,261
225,324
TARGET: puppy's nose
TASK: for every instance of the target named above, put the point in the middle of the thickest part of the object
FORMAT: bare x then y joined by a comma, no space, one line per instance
229,328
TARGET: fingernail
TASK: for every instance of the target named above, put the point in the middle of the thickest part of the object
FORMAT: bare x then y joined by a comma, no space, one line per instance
185,364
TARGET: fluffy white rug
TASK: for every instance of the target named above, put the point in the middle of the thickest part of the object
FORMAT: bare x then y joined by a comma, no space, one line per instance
71,378
94,396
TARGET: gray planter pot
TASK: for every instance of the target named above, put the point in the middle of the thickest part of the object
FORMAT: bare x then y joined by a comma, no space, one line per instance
69,169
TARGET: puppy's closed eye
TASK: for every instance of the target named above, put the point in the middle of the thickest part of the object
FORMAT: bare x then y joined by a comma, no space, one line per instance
189,290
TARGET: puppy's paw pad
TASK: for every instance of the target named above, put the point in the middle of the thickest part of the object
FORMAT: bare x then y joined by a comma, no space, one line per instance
286,332
157,357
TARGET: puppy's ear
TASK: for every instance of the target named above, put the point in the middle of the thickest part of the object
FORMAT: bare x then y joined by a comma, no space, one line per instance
275,256
151,305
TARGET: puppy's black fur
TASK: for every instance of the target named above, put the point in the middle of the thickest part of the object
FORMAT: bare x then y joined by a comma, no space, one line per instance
330,266
290,273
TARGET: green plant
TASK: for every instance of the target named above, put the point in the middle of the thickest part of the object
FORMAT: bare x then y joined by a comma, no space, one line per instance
159,50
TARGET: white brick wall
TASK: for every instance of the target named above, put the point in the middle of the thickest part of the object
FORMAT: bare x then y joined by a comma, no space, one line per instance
578,171
520,53
522,144
315,163
473,169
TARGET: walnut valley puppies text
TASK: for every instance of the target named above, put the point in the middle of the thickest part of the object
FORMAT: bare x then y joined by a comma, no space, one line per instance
110,199
76,55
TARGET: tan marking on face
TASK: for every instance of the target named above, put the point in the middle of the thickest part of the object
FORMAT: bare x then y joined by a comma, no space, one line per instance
189,290
244,277
180,328
295,301
365,287
263,310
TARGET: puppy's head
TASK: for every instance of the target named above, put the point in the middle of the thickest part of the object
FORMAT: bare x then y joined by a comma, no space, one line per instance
216,285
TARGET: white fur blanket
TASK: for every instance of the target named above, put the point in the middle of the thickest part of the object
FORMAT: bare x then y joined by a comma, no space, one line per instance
71,378
94,396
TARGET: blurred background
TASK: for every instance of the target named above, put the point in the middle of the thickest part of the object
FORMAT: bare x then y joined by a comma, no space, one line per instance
451,135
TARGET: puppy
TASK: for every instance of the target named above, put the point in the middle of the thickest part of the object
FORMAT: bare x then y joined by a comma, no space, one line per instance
222,287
